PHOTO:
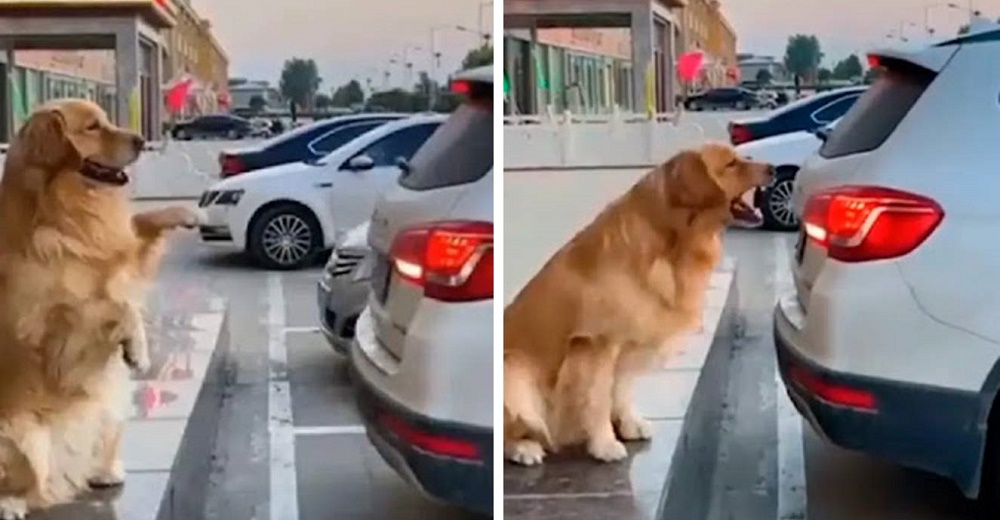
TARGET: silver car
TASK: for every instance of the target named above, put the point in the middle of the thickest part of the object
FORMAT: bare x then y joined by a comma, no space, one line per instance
342,291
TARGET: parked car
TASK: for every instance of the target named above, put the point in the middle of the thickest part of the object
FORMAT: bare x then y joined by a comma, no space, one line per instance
731,98
890,343
342,291
216,126
423,352
306,143
285,215
786,152
805,114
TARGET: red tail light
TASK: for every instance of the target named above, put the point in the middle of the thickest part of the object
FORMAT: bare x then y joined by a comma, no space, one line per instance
739,134
460,87
833,393
863,223
231,165
452,261
431,443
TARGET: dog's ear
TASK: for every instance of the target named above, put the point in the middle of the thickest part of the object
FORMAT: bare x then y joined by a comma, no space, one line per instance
690,184
43,141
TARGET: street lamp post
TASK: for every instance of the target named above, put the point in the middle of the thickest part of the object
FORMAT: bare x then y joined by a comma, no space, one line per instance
408,65
485,36
927,14
482,4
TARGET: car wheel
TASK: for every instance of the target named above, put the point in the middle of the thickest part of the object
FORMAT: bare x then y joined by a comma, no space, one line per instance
777,202
232,135
741,105
182,135
285,237
988,500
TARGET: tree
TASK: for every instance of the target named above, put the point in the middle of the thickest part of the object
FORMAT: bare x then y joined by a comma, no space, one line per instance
299,81
871,75
848,68
478,57
824,75
803,56
257,103
763,77
348,94
323,101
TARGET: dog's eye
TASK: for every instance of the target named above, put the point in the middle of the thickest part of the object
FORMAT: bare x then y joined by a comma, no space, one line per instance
96,125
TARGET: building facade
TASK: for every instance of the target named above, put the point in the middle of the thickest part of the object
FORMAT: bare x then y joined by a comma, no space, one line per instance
194,52
705,28
41,75
582,70
242,92
751,67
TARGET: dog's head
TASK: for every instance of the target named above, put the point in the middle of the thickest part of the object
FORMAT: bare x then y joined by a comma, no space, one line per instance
714,176
75,137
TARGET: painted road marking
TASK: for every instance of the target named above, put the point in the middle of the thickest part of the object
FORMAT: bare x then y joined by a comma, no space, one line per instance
284,493
351,429
791,456
293,330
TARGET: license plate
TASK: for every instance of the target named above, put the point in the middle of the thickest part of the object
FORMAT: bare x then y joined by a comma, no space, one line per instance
381,273
800,246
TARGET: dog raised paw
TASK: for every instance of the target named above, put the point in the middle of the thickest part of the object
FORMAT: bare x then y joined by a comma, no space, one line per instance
13,508
525,452
172,218
607,449
633,428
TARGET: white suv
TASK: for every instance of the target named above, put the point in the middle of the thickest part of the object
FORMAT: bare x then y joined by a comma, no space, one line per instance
423,354
890,343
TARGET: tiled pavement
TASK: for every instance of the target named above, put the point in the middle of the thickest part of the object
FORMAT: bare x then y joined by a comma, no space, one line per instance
572,486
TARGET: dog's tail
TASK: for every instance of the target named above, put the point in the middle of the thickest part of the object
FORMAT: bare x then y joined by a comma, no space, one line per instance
524,406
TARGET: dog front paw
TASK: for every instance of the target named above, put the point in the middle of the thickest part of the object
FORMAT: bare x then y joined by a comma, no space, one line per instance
634,428
173,217
607,449
109,477
135,356
525,452
13,508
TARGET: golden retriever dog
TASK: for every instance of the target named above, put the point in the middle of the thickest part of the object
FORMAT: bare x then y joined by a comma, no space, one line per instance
607,304
74,266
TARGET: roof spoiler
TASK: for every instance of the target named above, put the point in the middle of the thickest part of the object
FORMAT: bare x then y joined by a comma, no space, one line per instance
931,58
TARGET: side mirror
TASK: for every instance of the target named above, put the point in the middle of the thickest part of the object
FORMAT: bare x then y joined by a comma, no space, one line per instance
360,163
403,165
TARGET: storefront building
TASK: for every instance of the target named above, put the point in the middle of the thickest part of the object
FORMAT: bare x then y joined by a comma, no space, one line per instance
42,75
706,29
192,51
584,71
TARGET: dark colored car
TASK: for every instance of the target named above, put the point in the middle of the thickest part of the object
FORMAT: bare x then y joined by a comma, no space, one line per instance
732,98
305,143
807,114
214,126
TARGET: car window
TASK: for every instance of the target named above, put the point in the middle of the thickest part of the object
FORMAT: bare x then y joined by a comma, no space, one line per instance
818,99
460,152
878,111
399,144
311,131
834,110
340,136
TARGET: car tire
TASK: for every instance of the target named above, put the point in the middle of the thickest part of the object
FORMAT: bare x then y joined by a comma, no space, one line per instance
776,201
233,135
182,135
988,501
742,105
285,237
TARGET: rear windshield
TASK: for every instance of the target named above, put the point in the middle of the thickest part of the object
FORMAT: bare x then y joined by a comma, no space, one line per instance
879,110
460,152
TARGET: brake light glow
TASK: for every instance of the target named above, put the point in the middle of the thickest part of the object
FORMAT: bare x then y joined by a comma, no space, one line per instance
833,393
461,87
739,134
431,443
864,223
451,260
874,61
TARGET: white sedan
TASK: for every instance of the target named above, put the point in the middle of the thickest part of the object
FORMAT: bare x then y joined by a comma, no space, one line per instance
786,152
286,215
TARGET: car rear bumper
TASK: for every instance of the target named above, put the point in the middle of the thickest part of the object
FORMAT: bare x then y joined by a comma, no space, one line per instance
934,429
339,309
406,441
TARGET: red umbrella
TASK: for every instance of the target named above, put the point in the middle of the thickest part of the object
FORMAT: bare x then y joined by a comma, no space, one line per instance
689,65
177,95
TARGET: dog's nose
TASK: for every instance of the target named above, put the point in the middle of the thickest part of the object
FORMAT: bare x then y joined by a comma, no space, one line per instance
138,142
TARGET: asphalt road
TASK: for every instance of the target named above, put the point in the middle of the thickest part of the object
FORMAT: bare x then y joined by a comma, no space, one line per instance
762,432
338,475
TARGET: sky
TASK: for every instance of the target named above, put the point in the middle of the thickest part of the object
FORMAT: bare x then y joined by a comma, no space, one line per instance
844,26
349,39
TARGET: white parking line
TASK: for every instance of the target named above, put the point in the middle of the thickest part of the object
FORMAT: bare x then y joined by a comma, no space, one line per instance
350,429
792,498
284,503
289,330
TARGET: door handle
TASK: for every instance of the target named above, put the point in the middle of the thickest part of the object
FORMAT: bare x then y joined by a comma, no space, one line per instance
323,185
